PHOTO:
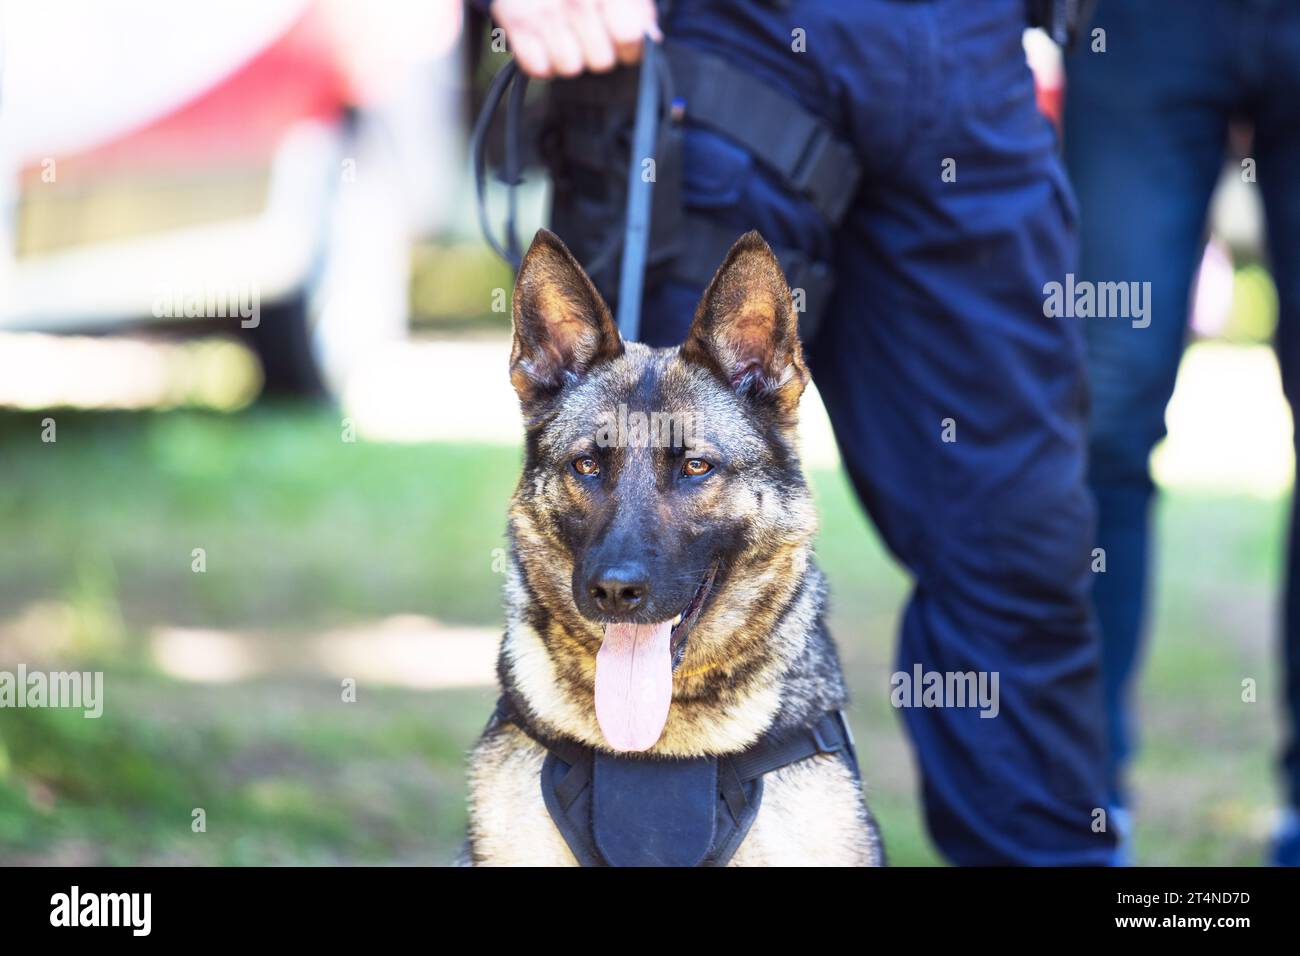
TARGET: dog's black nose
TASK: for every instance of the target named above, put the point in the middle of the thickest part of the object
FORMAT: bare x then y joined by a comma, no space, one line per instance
620,589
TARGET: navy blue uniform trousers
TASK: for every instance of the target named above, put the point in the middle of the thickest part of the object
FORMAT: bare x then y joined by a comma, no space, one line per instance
938,315
1146,129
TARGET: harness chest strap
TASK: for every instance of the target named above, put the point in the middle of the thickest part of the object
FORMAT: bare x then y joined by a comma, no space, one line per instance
622,810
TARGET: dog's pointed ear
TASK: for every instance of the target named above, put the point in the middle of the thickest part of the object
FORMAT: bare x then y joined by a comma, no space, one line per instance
746,329
562,327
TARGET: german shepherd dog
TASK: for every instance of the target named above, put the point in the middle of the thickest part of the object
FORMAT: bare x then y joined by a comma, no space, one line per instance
661,596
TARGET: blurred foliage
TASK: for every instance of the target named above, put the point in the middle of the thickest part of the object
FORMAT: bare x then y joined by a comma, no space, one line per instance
97,628
1254,306
457,286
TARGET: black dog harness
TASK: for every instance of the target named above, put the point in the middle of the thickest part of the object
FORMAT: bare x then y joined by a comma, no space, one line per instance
622,810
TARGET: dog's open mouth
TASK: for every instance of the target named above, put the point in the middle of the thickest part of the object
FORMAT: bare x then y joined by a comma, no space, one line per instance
682,624
634,673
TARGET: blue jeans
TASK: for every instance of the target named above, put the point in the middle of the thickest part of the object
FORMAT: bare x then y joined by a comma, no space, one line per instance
1146,126
938,315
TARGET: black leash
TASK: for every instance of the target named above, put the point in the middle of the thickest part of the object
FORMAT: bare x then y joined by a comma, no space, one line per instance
636,231
654,89
477,147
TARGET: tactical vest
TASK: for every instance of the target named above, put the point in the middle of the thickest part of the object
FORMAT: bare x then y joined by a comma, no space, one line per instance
637,810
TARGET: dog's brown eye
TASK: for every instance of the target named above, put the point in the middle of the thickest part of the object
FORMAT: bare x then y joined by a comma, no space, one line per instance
694,467
586,465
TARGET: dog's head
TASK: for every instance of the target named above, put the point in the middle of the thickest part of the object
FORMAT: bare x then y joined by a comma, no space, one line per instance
662,503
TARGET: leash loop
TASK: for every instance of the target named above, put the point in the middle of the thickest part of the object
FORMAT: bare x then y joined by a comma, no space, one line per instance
653,118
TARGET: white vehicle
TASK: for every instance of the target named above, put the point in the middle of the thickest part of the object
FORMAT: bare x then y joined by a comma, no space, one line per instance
229,165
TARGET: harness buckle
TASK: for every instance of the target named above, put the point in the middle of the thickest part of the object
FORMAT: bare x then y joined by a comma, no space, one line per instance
809,164
827,174
823,746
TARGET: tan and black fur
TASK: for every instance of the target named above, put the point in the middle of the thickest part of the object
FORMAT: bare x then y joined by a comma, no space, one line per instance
758,657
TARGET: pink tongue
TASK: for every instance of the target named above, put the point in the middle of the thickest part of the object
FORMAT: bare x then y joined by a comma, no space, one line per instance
634,684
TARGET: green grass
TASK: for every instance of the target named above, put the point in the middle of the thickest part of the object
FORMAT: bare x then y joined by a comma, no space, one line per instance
299,527
304,531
